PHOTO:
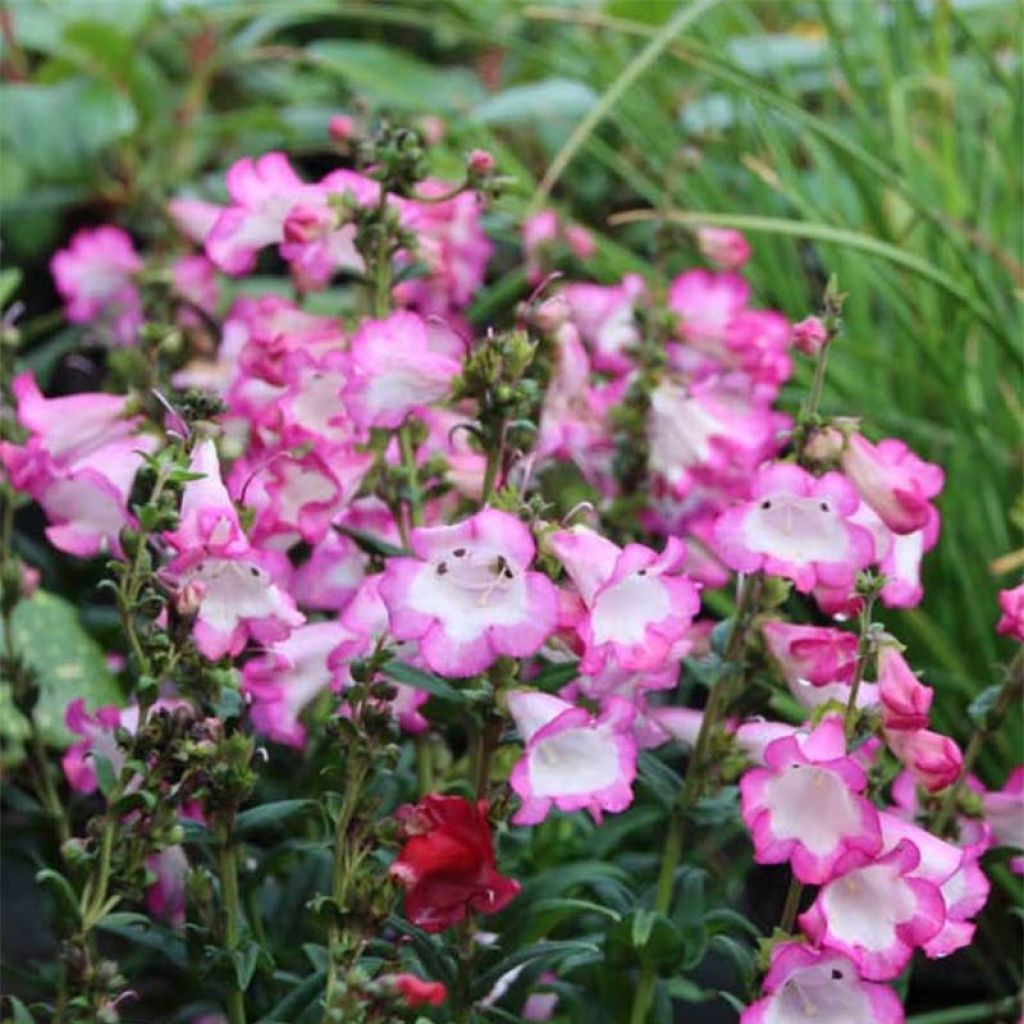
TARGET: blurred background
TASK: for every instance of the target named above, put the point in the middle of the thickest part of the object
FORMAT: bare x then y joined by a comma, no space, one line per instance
877,141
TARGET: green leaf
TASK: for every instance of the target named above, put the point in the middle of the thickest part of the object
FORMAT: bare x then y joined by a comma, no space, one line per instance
53,130
982,705
392,78
19,1011
63,895
555,675
67,662
645,937
659,779
434,685
244,960
106,777
268,817
10,282
296,1001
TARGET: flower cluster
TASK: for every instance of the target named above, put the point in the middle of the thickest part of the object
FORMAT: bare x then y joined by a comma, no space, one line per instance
349,523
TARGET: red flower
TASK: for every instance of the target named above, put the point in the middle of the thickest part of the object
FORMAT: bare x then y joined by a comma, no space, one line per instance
447,863
417,992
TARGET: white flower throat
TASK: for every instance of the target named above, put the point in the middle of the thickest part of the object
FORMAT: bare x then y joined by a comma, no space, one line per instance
486,573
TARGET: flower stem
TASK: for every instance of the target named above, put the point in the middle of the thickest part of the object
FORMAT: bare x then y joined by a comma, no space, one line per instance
494,458
1004,1008
227,866
792,904
693,783
865,646
408,450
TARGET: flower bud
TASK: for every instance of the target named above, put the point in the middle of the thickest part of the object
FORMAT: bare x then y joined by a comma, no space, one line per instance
724,247
481,162
810,335
341,127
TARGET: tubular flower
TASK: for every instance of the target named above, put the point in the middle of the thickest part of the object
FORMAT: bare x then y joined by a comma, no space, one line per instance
447,865
468,597
798,527
805,806
638,609
572,759
814,986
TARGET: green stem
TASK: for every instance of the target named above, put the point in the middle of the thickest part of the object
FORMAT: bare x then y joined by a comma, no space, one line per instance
99,891
818,382
382,267
408,450
987,1012
494,459
864,650
340,874
692,786
424,766
227,865
792,904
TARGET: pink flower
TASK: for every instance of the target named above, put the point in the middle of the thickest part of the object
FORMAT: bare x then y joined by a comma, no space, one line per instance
571,759
263,190
798,527
816,654
395,371
468,597
96,732
934,760
1011,603
481,162
195,280
902,564
165,898
806,807
905,702
706,304
726,248
638,609
877,914
893,481
605,317
331,575
701,432
79,463
341,127
95,278
810,335
1004,811
289,677
234,585
194,218
820,986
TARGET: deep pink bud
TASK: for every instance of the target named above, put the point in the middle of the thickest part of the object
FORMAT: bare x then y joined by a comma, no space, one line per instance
341,127
481,162
810,335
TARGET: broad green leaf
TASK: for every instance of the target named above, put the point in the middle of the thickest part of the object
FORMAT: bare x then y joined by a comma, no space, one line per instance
434,685
271,816
67,662
52,130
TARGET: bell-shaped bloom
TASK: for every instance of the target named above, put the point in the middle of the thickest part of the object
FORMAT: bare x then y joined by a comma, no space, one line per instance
964,894
263,191
194,218
726,248
605,316
571,759
805,805
877,914
894,481
447,865
288,677
1004,811
231,586
638,610
1011,622
395,372
934,760
700,432
798,527
95,276
815,986
815,654
906,702
810,335
468,596
165,898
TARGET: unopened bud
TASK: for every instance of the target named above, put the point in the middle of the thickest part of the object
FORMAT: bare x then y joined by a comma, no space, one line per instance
810,335
341,127
481,162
